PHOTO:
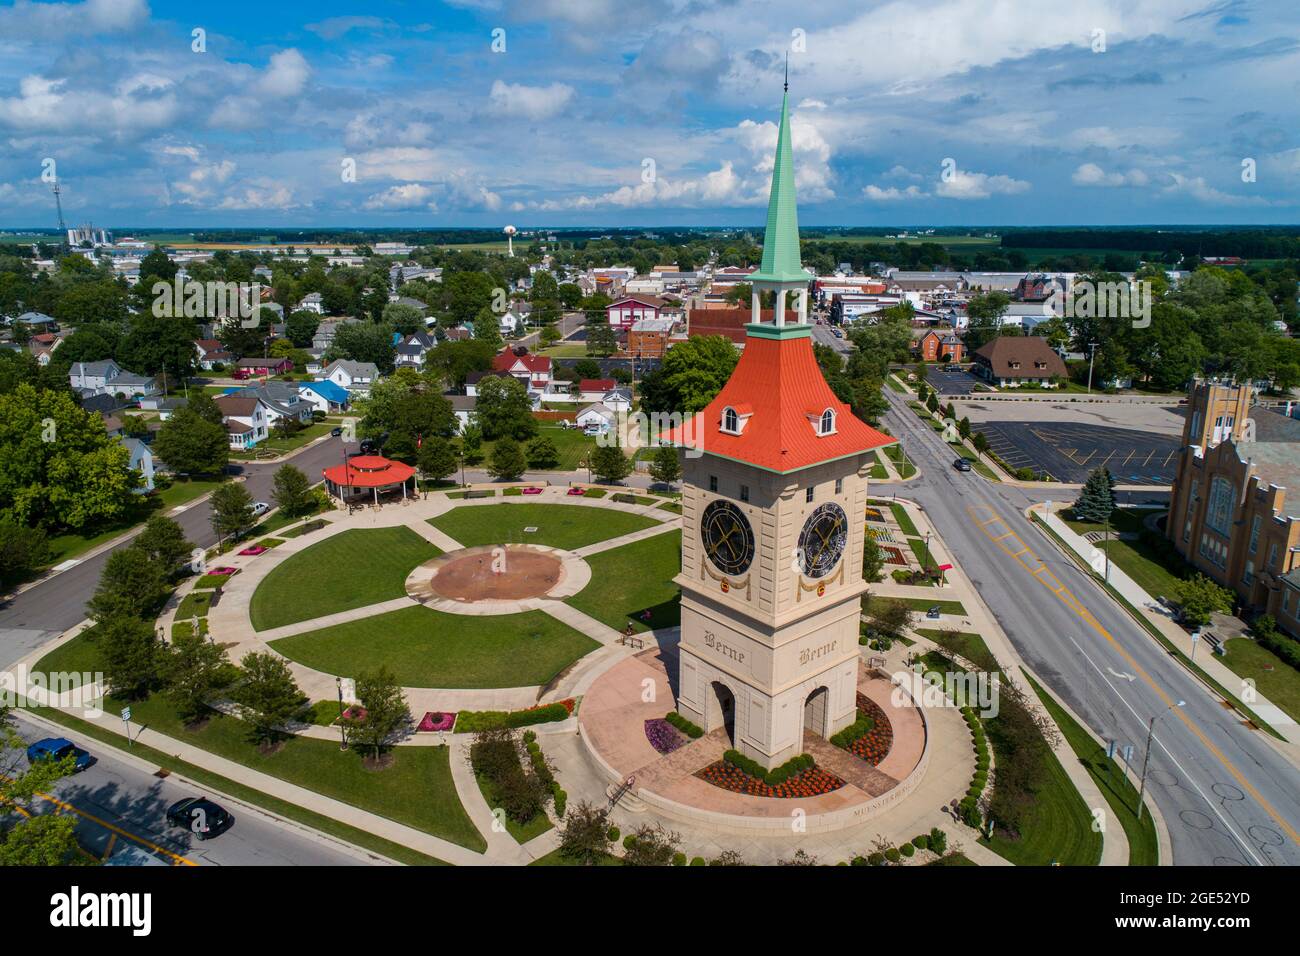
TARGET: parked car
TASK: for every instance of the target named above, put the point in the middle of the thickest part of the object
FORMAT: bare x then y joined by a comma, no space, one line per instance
336,431
260,508
961,464
57,748
200,816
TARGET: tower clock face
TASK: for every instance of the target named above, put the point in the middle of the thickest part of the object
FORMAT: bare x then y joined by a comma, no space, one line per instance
821,543
728,538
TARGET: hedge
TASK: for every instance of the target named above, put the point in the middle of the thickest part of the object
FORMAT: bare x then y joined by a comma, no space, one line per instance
684,725
859,728
774,777
472,721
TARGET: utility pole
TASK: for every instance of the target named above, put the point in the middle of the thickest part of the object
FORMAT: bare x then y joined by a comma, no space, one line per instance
1092,351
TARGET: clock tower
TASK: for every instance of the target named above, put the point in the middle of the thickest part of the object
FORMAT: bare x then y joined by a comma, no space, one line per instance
774,493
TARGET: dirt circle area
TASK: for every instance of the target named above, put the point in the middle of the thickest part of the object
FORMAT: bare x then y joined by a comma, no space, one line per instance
497,573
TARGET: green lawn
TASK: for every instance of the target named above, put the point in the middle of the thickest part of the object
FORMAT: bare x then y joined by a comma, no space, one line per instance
556,858
350,569
904,519
1143,848
558,526
571,444
627,581
969,645
282,446
520,832
1153,565
427,648
196,602
924,604
1276,679
416,790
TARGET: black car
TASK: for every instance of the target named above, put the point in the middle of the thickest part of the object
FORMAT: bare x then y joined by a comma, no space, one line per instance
336,431
200,816
962,464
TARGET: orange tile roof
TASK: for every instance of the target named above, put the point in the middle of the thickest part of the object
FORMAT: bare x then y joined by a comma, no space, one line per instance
778,379
369,471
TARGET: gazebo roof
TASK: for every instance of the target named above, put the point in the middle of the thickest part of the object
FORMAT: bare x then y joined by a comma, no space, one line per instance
369,471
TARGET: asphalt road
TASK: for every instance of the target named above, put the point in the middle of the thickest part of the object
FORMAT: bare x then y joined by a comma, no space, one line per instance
1228,796
120,804
1070,451
58,603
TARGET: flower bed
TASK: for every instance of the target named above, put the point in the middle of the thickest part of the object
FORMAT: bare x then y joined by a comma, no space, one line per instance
472,721
663,736
809,783
253,550
226,571
435,721
577,491
875,744
892,555
532,491
875,514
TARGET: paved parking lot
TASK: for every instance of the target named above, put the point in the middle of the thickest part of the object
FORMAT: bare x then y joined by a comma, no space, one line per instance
950,381
1068,451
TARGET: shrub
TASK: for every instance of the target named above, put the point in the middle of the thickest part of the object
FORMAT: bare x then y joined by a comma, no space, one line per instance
629,841
971,814
938,841
561,799
684,725
777,775
697,861
921,842
679,859
859,728
892,855
613,834
907,849
876,859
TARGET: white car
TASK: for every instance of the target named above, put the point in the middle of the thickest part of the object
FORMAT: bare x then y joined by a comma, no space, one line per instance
260,508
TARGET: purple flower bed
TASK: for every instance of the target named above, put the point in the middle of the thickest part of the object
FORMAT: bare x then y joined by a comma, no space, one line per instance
532,491
254,550
663,736
436,720
224,571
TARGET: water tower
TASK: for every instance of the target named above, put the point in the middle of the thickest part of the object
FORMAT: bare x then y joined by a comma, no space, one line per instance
510,238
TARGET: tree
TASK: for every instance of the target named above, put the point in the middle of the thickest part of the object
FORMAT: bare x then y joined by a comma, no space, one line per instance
651,845
192,445
888,617
602,340
22,551
437,459
963,427
1199,597
291,491
471,442
58,467
193,670
587,368
269,696
584,834
45,840
232,509
503,408
301,326
403,319
158,344
980,442
665,467
932,402
363,342
507,462
383,710
873,560
1097,500
691,374
130,654
165,543
131,584
487,329
542,453
608,463
985,312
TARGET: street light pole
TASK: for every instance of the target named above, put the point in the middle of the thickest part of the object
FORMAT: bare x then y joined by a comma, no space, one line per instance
1151,730
927,551
1092,352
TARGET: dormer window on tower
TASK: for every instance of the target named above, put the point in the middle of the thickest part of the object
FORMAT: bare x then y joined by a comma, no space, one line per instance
734,419
826,423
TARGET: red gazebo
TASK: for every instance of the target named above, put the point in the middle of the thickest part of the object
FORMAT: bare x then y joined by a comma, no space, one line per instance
366,473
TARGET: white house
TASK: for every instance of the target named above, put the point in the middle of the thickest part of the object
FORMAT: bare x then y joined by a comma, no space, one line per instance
311,302
356,377
599,415
109,378
142,460
245,419
324,396
463,407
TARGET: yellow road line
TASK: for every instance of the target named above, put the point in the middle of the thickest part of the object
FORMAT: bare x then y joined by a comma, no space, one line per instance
177,860
1086,616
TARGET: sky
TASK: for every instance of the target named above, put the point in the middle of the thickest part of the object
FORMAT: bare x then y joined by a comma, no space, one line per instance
648,112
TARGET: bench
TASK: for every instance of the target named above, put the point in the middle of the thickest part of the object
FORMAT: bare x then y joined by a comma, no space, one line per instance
482,493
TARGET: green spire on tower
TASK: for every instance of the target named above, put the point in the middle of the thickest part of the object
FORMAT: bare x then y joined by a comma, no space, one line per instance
781,261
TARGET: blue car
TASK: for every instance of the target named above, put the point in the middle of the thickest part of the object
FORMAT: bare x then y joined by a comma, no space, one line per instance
56,748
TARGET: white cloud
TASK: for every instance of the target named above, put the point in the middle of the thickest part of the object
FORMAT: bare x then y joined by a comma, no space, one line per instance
262,195
46,104
58,21
967,185
405,196
1090,174
1197,188
529,102
286,75
891,193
